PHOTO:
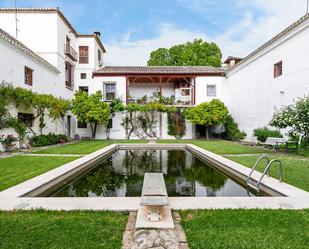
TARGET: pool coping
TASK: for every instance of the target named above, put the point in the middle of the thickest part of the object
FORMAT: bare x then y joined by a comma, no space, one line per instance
13,198
127,204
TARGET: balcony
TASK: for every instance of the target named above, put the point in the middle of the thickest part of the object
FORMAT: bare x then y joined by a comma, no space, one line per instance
70,52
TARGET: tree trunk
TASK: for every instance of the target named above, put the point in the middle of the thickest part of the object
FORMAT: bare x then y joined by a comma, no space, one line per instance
207,133
93,129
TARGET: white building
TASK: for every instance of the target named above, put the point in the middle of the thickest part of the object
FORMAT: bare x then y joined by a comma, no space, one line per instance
273,75
46,46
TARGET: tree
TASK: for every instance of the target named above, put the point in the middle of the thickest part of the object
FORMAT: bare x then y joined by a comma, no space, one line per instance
295,117
207,114
176,123
196,53
91,109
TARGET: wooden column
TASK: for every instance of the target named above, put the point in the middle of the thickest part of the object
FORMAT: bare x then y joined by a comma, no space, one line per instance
194,93
160,86
127,90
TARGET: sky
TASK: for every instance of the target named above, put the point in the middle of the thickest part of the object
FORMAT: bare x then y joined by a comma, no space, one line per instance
131,29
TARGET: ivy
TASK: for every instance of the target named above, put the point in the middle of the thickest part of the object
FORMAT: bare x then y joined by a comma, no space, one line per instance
176,123
42,104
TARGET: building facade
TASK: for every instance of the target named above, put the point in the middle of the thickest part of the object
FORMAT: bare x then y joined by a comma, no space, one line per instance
64,61
46,45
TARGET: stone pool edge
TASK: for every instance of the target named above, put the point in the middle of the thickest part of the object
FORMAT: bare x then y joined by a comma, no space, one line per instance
41,183
11,198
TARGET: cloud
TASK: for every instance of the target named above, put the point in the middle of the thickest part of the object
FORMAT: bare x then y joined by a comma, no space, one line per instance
239,39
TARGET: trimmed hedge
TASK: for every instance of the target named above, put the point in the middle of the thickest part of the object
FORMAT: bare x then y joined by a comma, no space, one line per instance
49,139
263,133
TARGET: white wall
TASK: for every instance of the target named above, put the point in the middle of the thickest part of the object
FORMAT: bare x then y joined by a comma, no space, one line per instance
201,88
251,91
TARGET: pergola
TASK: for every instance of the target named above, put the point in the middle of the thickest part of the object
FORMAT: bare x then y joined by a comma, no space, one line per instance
160,75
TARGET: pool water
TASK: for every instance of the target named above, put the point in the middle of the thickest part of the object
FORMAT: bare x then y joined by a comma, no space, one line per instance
122,173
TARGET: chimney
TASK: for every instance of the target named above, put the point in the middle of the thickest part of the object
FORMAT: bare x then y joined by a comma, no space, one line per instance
231,61
97,33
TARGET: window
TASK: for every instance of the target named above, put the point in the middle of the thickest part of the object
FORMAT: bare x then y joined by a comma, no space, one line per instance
81,125
278,69
83,88
83,54
83,76
27,118
185,92
68,75
28,76
99,57
109,91
211,90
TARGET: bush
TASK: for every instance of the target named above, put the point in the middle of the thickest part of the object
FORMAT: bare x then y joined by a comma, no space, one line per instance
231,130
51,138
263,133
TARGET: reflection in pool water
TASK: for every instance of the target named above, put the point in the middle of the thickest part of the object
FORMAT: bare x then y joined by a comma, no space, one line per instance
122,174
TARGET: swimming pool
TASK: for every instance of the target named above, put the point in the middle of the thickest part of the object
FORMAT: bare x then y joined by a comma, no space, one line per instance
121,175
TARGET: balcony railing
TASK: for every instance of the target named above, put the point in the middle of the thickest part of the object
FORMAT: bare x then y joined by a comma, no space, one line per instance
69,51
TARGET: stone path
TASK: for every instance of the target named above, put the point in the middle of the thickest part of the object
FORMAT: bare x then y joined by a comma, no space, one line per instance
154,238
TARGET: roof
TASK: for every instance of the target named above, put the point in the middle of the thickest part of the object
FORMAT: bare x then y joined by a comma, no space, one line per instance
159,70
230,58
273,40
61,15
23,48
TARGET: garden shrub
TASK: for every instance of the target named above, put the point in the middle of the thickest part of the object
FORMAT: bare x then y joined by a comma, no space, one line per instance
232,131
263,133
51,138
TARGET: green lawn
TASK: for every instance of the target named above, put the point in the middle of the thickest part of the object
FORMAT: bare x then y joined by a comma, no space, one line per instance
81,147
84,147
243,229
17,169
295,169
59,230
221,146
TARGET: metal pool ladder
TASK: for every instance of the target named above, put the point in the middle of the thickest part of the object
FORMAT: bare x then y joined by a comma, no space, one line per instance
266,171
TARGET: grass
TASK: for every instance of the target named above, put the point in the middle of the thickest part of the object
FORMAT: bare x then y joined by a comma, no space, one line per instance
221,146
242,229
81,147
58,230
295,169
84,147
17,169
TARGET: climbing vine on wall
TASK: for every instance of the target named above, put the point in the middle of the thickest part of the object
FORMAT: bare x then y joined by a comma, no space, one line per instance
176,123
41,104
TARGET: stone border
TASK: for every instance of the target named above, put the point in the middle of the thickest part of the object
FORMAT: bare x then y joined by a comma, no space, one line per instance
128,204
269,185
14,197
45,182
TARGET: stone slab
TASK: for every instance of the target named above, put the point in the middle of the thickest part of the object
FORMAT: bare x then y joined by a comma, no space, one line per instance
166,222
133,203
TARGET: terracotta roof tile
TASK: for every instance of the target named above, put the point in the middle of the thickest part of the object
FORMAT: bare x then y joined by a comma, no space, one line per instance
122,70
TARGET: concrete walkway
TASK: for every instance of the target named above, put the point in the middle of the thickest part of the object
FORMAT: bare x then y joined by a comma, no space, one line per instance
132,203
